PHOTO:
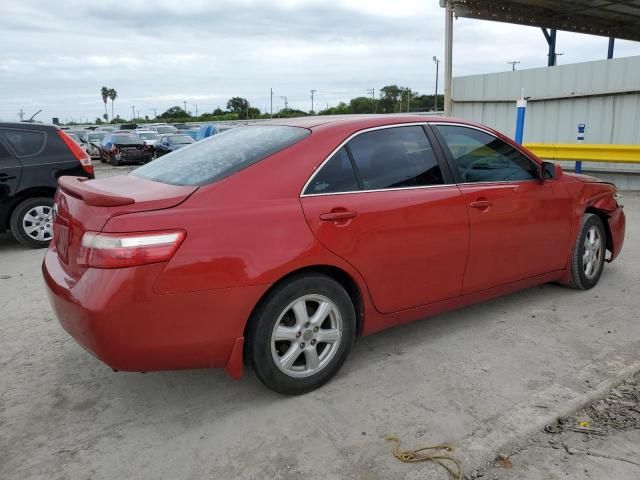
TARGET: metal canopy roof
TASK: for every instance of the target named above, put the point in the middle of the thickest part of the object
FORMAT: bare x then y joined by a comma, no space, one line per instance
609,18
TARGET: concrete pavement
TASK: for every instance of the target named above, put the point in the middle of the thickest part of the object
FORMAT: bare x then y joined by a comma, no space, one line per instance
484,378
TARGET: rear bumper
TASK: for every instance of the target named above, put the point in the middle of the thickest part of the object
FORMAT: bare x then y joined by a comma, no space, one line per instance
617,225
116,315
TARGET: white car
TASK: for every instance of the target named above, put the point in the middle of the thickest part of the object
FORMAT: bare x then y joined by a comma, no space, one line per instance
162,129
149,137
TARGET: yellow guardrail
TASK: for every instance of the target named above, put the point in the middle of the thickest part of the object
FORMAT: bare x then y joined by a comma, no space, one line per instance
587,152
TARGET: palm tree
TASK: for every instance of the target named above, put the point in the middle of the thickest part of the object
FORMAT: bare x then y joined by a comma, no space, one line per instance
104,91
113,94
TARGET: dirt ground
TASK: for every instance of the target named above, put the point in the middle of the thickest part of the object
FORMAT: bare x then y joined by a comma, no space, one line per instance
485,379
600,441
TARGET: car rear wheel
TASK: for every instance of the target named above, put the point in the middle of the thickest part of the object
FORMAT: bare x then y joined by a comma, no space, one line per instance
301,334
32,222
587,258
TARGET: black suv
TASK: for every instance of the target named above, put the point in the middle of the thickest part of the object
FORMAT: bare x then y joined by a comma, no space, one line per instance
32,157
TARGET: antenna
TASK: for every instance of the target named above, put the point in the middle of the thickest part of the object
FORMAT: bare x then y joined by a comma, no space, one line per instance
513,64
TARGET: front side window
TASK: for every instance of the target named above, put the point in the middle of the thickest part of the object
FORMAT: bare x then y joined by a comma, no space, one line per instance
220,155
337,175
480,157
25,142
395,158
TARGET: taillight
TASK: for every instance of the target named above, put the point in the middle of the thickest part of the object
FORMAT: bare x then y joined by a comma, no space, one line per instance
81,155
118,250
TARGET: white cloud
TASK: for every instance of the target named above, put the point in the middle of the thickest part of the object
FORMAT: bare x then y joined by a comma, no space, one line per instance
57,55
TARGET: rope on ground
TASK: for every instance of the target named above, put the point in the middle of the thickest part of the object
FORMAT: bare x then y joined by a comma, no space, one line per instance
448,462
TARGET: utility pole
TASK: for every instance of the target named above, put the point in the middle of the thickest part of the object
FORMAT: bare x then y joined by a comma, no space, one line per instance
435,97
21,114
372,91
196,105
155,113
137,113
312,92
271,103
286,104
513,64
133,112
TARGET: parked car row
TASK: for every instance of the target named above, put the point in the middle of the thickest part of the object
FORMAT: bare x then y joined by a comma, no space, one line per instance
133,144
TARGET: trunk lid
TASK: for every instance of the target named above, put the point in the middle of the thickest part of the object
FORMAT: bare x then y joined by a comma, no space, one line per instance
83,205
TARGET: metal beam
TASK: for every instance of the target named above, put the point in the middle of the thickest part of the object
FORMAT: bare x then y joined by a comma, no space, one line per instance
448,57
610,49
611,24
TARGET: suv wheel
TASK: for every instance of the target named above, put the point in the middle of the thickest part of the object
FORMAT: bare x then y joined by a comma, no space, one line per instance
301,334
32,222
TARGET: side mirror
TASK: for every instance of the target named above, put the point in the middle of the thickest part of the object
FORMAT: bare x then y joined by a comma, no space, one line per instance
551,170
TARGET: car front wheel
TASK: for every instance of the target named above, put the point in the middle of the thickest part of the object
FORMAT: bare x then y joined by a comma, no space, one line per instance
301,334
32,222
587,258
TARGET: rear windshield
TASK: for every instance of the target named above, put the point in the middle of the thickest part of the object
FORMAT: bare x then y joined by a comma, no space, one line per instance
221,155
127,139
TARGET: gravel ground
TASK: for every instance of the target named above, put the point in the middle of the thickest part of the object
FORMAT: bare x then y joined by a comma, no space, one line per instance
600,441
484,378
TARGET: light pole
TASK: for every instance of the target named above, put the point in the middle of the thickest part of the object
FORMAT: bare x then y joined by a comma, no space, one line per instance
312,92
513,64
435,98
133,112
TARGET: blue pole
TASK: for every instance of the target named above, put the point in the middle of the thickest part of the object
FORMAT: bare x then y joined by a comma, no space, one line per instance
521,106
581,127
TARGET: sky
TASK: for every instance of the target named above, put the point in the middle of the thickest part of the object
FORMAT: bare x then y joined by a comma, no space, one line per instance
56,55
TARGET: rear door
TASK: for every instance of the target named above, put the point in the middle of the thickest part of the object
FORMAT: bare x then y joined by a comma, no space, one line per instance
519,226
384,203
10,172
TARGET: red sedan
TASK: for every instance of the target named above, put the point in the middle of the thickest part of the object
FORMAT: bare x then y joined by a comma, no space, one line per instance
278,244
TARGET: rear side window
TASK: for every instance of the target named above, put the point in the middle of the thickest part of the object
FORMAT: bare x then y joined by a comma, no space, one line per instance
220,155
337,175
25,142
395,158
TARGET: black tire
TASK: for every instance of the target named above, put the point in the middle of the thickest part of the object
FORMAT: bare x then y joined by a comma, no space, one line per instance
583,277
262,349
22,215
115,162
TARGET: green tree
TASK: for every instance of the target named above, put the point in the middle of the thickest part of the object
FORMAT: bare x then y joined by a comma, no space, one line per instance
113,94
361,105
104,91
174,112
238,105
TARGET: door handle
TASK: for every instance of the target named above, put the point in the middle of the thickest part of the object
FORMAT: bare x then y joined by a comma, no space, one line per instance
481,204
338,216
4,177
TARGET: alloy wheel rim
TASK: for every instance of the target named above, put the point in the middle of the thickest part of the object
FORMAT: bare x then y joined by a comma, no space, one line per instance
592,252
306,336
37,223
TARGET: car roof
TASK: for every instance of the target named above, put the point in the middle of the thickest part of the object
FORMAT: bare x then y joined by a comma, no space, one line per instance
29,125
358,121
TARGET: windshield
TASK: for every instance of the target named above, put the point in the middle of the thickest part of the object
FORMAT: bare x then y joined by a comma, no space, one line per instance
148,136
166,129
95,137
180,139
221,155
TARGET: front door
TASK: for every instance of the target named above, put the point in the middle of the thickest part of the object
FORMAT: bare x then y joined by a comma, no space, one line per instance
383,203
519,226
